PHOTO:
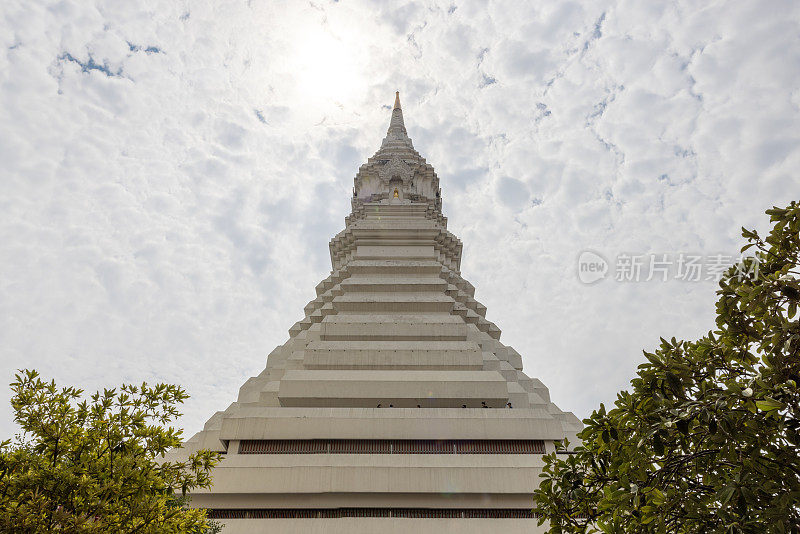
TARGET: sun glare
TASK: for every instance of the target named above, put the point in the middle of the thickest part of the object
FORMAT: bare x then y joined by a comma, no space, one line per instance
327,68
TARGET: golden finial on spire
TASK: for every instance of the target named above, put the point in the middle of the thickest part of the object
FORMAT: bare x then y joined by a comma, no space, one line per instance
396,99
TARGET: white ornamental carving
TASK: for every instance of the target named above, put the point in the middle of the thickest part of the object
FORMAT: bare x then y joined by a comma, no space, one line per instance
395,168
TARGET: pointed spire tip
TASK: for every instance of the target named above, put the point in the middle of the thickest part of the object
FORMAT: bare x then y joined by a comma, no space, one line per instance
396,124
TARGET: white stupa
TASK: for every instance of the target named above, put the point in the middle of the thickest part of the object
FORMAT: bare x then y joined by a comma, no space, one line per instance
393,407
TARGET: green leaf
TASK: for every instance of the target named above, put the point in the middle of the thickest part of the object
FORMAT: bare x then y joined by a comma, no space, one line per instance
658,445
683,426
726,494
657,496
768,405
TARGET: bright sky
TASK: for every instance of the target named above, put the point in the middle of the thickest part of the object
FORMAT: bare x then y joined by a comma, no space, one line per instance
172,172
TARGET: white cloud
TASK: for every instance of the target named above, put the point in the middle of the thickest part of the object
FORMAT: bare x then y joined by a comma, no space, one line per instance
172,172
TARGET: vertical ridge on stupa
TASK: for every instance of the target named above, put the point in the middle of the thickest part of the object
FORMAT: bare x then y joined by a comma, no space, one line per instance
393,404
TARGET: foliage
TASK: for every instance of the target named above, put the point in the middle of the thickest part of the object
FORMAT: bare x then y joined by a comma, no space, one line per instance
706,440
93,466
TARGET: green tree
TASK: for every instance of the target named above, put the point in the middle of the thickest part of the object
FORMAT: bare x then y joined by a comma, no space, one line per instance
94,465
706,440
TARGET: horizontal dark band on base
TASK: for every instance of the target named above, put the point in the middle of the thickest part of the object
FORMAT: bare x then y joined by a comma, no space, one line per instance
334,513
391,446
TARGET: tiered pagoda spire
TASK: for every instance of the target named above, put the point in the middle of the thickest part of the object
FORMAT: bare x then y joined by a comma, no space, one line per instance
392,395
396,125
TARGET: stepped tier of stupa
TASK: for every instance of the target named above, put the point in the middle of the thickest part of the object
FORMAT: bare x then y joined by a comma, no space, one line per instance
393,405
